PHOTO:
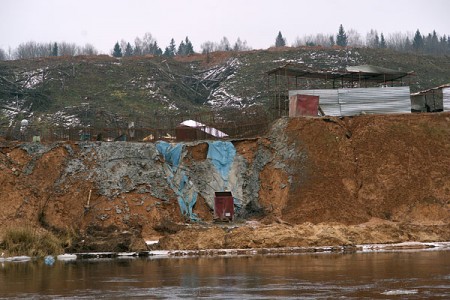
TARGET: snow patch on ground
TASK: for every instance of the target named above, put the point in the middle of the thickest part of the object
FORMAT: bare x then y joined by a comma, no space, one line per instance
32,78
405,246
221,97
62,118
400,292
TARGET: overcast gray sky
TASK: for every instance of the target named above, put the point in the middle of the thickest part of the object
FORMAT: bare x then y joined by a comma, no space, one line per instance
103,22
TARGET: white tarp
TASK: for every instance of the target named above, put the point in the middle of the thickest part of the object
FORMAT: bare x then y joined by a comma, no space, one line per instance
209,130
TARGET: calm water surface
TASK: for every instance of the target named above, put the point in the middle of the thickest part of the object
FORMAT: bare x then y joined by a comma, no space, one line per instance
394,275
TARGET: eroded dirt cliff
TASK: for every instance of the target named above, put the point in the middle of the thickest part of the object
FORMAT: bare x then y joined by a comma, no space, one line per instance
308,182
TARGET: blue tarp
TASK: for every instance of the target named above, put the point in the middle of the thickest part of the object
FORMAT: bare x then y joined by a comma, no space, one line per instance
187,200
171,153
222,156
187,197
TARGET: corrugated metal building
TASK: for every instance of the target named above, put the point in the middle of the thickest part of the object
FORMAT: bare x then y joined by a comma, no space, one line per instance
355,90
354,101
432,100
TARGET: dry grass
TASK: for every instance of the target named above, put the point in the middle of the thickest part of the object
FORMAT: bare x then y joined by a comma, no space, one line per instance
31,242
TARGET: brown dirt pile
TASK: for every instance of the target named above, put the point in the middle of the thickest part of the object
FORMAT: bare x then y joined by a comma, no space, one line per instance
392,167
257,235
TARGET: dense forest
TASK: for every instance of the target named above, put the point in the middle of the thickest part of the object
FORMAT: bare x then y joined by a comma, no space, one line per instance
431,43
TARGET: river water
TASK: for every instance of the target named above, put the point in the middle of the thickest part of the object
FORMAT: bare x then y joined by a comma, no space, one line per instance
383,275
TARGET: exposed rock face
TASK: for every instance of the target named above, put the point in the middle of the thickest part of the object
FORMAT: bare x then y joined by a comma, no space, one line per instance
311,181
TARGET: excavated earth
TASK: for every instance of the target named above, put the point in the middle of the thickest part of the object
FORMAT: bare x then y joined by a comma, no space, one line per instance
309,182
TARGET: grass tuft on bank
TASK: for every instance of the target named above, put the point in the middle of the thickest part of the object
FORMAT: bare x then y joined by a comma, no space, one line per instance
30,242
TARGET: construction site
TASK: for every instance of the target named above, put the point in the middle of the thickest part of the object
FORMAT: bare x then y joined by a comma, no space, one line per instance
347,157
307,182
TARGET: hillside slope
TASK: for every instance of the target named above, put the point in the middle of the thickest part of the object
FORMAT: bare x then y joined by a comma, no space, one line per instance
108,92
311,181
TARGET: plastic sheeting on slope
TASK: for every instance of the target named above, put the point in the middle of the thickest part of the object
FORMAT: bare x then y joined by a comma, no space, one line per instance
221,154
171,154
177,178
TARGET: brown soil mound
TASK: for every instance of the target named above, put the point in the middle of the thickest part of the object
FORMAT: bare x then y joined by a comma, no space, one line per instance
391,167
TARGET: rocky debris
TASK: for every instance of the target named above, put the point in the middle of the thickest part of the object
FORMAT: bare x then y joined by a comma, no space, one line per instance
108,239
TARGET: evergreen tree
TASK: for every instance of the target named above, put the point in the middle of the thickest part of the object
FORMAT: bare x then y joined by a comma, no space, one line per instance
332,42
189,48
185,47
280,41
418,42
117,52
154,49
55,49
443,44
382,41
377,41
181,48
172,49
341,38
434,43
166,52
128,50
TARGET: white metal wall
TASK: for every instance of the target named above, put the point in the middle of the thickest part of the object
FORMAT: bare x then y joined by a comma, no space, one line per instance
445,96
349,102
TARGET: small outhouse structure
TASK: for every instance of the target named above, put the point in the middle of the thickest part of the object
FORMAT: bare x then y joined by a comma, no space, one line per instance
223,206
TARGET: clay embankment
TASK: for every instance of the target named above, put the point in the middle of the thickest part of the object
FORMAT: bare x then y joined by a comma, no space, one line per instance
310,182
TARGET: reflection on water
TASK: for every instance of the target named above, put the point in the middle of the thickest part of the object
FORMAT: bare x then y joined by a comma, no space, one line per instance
412,275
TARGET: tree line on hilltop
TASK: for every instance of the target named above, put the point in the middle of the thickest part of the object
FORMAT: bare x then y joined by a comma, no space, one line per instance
432,43
149,45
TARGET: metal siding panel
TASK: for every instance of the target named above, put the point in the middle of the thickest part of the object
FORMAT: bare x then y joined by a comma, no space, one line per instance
374,100
303,105
446,98
328,100
418,102
354,101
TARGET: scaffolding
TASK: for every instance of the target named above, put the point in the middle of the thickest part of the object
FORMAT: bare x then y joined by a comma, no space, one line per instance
295,77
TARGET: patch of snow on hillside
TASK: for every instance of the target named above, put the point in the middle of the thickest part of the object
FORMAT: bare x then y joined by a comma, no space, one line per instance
169,104
172,106
220,95
222,98
32,78
11,109
61,118
150,83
